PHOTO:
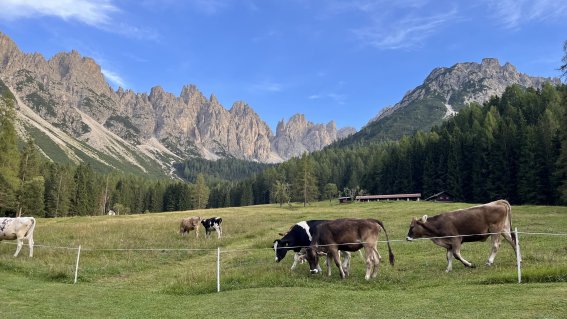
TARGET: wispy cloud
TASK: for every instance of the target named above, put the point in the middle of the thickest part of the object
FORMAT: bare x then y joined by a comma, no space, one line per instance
95,13
394,25
335,97
513,13
266,86
114,78
406,32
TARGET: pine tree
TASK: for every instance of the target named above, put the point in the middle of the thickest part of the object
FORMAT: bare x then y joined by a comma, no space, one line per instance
201,193
9,155
29,170
305,184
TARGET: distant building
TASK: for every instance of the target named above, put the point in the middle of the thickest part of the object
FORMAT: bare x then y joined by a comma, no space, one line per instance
373,198
440,197
345,199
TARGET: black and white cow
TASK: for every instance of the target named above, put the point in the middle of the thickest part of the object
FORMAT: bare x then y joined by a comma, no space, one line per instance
297,239
211,224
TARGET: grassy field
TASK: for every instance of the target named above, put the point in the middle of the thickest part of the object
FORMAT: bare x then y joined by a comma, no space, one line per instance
138,266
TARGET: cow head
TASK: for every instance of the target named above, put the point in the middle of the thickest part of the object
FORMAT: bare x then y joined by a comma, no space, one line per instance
416,229
279,248
313,258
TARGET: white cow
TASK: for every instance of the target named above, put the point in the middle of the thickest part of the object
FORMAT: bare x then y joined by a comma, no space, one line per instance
19,228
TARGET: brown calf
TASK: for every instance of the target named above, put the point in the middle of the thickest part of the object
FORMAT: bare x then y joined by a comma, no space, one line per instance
188,224
348,234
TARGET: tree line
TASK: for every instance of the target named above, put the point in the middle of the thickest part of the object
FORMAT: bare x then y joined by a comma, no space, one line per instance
512,147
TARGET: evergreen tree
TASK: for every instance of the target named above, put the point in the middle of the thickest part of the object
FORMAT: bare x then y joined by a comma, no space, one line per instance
9,155
29,170
32,199
84,196
201,193
247,198
305,185
280,192
58,186
331,191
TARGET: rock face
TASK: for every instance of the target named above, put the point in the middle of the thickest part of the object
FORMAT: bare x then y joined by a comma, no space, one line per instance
299,136
70,93
443,93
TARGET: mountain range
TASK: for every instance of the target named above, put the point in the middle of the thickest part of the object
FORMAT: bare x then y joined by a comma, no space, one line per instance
73,114
65,104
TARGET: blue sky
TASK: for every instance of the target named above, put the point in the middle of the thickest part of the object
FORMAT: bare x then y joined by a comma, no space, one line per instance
330,60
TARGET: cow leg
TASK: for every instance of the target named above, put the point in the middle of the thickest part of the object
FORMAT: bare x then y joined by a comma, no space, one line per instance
377,261
296,259
449,260
30,245
508,236
457,253
370,263
335,255
218,230
20,242
346,262
328,264
495,245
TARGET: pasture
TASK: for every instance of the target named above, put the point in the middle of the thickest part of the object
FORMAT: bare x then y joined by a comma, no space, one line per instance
138,266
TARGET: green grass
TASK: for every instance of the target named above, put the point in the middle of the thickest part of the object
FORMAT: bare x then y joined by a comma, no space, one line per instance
168,281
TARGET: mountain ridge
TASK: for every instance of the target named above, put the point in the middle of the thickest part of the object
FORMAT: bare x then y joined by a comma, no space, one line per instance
70,93
444,92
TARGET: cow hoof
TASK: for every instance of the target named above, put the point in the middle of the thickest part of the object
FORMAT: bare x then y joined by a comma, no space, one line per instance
488,263
472,266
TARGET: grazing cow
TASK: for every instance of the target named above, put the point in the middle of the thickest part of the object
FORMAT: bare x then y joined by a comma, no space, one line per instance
188,224
297,239
19,228
467,225
211,224
348,234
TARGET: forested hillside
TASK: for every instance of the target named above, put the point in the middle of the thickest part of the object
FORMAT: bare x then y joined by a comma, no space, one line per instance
512,147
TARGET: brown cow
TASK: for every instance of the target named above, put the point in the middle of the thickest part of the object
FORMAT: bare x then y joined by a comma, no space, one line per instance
188,224
467,225
348,234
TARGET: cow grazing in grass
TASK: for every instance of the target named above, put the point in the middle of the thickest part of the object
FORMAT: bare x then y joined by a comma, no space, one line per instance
297,239
211,224
188,224
467,225
348,234
19,228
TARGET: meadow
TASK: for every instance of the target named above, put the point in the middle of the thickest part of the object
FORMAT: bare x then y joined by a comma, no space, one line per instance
136,266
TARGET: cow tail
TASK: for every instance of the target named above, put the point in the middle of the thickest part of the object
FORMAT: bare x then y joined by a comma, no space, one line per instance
509,212
390,253
30,230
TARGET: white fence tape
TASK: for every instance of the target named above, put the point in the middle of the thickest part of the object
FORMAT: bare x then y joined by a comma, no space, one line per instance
219,251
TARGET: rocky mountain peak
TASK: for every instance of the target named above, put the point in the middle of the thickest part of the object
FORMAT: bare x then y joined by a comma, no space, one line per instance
444,92
298,136
69,92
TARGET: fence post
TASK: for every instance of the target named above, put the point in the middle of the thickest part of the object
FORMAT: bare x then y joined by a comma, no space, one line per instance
77,264
518,256
218,269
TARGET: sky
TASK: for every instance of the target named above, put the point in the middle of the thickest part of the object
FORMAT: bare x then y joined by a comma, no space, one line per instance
327,59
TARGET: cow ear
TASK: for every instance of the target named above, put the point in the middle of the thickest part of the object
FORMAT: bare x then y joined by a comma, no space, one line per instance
424,218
